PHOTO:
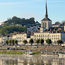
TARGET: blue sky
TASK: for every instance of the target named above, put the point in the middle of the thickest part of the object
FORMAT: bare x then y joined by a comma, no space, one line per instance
32,8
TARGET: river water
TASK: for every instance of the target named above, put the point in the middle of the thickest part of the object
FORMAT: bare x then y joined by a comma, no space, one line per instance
31,60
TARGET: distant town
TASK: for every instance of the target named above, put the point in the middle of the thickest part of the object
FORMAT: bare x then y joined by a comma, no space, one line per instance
21,34
28,41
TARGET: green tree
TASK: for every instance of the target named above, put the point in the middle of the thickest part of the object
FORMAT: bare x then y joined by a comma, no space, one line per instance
25,42
42,42
12,42
48,41
7,42
5,30
60,42
16,42
31,41
18,21
38,41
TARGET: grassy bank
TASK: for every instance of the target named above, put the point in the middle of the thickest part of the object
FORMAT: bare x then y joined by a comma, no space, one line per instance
36,52
12,52
17,52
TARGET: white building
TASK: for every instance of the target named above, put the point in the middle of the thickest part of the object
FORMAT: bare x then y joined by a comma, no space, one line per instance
20,37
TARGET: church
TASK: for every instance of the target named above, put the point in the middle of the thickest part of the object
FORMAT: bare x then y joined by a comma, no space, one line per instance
47,31
46,23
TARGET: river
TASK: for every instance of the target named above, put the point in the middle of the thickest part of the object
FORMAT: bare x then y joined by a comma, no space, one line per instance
31,60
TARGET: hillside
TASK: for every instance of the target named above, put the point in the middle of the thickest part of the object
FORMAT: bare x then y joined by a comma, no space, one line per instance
5,30
18,21
16,24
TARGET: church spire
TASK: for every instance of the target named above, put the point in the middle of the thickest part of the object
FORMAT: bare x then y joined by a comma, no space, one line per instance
46,13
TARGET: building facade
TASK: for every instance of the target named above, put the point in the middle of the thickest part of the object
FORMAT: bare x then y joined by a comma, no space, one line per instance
53,36
20,37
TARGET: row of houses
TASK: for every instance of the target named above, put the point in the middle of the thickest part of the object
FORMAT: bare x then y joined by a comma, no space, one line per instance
20,37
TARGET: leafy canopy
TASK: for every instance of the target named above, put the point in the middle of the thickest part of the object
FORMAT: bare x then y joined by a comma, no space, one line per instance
24,22
49,41
11,29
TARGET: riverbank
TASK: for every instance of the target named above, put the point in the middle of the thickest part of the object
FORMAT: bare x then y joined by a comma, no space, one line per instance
17,52
23,53
49,50
34,53
11,52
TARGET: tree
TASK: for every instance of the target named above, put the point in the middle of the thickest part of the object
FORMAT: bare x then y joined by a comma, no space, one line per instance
60,42
31,41
25,42
16,42
7,42
15,20
11,29
12,42
42,42
48,41
37,41
57,23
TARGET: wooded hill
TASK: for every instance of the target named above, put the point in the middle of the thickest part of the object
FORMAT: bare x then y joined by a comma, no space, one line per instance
18,21
16,24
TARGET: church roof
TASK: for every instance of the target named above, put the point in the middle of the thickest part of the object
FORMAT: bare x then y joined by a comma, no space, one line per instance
46,19
46,13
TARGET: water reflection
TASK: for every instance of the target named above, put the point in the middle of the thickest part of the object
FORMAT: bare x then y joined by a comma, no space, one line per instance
22,60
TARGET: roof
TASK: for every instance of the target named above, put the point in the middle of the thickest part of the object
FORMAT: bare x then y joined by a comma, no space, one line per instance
46,19
16,33
56,29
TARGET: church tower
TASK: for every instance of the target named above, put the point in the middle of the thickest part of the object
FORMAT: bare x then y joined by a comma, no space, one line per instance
46,23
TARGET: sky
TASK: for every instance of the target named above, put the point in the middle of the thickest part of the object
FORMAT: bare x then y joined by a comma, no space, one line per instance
32,8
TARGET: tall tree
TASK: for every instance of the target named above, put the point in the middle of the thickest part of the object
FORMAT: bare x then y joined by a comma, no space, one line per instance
31,41
42,42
